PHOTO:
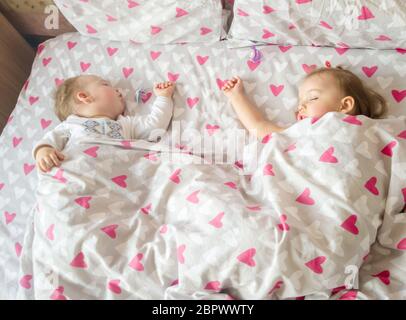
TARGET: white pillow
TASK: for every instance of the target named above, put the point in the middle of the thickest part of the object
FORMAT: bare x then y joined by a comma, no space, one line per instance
350,23
146,21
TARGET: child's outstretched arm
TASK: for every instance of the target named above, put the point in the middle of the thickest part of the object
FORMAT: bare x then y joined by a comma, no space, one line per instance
247,112
152,126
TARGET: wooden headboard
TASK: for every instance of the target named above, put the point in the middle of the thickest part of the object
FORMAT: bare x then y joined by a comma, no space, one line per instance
28,17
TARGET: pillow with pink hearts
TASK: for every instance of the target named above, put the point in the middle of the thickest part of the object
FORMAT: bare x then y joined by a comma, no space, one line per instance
146,21
351,23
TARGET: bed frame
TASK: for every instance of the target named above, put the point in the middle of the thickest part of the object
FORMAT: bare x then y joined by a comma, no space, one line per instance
21,20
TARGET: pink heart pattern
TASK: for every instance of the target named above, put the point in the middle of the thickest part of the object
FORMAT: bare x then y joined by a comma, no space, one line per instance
155,54
213,286
84,66
175,177
92,152
58,294
202,60
9,217
328,156
352,120
83,202
370,185
136,264
127,72
120,181
71,44
211,129
33,100
79,261
388,149
111,51
180,253
217,220
267,171
370,71
25,281
276,90
401,244
304,198
398,95
50,232
226,185
191,102
316,264
384,277
114,286
349,224
90,29
110,230
247,257
283,226
365,14
193,197
298,26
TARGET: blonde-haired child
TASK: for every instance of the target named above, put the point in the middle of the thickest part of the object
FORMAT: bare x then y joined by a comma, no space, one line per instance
88,105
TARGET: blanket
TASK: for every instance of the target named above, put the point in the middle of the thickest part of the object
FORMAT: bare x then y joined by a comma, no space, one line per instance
295,217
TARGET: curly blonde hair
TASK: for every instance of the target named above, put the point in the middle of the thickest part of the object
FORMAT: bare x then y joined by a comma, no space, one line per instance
64,97
367,101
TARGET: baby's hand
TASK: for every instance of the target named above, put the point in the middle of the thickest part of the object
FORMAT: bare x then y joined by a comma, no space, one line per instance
47,158
164,89
233,87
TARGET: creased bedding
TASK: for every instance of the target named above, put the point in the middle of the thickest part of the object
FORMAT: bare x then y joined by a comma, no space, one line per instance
129,219
199,107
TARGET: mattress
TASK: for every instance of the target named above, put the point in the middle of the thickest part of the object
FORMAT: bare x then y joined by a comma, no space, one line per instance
199,105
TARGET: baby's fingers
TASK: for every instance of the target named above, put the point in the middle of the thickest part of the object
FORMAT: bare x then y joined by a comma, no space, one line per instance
60,155
41,166
55,160
45,165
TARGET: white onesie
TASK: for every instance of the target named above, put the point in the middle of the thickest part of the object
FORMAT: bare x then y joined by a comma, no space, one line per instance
149,127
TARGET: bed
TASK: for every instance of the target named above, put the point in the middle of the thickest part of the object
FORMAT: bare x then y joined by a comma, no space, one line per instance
199,71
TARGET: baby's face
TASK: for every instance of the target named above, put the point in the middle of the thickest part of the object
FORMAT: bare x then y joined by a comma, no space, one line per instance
106,100
318,95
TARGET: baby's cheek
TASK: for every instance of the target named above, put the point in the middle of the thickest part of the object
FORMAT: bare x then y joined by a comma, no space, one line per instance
320,109
110,96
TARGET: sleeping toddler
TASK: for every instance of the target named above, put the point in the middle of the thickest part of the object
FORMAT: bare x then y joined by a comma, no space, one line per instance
323,90
88,105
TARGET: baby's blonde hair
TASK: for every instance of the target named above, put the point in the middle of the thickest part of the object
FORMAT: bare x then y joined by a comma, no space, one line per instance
65,97
367,101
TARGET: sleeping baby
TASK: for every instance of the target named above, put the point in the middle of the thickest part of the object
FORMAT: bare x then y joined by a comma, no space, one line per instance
323,90
88,105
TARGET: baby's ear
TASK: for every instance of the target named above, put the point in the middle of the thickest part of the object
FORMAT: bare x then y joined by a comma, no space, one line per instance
347,104
83,97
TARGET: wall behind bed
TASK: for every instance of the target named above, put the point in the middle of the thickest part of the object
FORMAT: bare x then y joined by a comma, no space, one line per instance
28,17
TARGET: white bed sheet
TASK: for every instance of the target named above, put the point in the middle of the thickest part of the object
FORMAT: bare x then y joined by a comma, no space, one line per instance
199,104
